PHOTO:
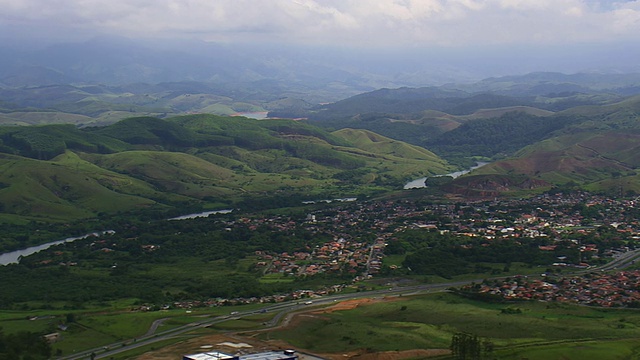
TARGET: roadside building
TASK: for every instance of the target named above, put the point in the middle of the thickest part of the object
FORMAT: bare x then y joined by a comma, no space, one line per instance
269,355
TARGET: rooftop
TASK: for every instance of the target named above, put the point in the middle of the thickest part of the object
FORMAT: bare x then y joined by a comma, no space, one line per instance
268,355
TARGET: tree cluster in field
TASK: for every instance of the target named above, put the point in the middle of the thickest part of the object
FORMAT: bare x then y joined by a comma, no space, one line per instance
23,346
466,346
447,255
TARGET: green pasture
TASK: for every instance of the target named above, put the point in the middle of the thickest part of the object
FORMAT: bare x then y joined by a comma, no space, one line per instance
219,109
131,354
489,270
396,260
39,325
248,322
546,330
14,219
101,326
576,350
121,325
205,269
78,338
276,278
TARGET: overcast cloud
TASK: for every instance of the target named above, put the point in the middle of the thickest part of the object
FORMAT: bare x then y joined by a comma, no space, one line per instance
353,23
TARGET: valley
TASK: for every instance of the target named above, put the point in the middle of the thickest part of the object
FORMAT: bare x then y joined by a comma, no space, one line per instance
309,180
526,190
381,245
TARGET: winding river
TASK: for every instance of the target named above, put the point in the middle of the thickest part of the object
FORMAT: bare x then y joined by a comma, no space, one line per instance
420,183
13,257
202,214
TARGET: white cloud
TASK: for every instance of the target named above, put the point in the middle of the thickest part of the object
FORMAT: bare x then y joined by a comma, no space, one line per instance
345,22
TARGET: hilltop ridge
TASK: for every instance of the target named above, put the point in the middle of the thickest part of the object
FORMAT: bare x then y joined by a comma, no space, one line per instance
59,172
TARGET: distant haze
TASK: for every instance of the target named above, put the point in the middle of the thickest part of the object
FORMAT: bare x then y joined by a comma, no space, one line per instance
371,23
371,43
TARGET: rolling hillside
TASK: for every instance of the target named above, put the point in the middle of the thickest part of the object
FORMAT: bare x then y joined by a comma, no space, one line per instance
59,172
430,116
599,153
539,131
100,105
68,187
192,161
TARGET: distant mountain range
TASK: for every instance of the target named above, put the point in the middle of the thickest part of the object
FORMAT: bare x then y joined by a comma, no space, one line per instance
539,130
312,74
549,91
82,103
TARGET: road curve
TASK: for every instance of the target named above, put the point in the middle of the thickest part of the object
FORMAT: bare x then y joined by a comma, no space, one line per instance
621,262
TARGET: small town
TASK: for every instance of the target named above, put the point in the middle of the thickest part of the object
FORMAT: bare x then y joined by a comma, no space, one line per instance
619,289
550,220
578,231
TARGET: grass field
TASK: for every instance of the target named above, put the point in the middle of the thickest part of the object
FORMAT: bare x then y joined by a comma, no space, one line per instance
587,350
245,323
276,278
103,325
131,354
531,330
535,330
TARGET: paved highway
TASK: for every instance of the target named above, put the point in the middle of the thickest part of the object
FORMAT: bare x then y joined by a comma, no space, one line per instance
620,262
282,309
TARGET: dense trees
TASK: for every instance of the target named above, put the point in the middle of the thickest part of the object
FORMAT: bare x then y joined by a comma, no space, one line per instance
446,255
46,142
501,135
466,346
23,346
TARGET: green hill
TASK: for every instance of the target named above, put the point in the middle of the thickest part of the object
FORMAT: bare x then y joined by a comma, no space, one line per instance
599,152
59,172
435,117
497,112
370,141
401,160
68,187
46,142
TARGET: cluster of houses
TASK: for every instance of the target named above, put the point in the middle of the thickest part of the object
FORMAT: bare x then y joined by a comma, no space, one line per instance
303,296
337,256
360,230
620,289
543,216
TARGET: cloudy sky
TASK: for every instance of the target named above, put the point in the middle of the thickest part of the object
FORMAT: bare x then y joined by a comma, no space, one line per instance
352,23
